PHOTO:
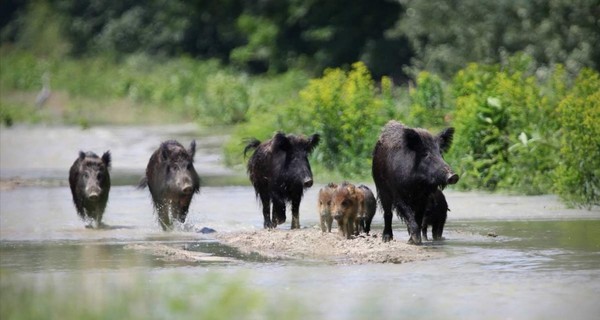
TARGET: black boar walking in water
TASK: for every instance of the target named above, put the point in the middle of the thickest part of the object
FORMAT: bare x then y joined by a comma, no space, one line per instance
90,184
279,171
172,180
407,168
435,215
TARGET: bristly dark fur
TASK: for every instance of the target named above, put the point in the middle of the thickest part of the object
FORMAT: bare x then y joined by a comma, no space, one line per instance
405,177
172,181
90,172
251,143
279,171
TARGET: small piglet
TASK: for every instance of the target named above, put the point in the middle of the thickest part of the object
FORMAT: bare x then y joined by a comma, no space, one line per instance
324,206
435,215
345,205
367,208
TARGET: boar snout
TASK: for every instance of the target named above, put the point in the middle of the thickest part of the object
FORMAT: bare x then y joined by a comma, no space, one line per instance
308,182
452,178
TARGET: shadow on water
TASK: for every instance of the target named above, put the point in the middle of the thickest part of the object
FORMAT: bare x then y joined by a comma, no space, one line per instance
75,256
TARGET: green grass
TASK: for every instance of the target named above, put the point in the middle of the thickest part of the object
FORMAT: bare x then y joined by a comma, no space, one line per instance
127,296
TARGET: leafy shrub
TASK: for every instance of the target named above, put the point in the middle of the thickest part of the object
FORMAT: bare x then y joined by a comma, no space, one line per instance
504,138
225,99
578,175
348,112
428,105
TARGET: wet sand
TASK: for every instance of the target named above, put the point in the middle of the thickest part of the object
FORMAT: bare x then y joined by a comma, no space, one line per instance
312,244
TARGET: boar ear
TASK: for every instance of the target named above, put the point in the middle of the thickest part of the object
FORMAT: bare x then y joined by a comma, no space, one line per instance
106,158
192,149
81,155
313,142
445,138
280,142
164,152
412,139
351,189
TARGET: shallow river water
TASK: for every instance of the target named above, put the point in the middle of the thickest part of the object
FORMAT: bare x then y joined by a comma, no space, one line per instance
506,257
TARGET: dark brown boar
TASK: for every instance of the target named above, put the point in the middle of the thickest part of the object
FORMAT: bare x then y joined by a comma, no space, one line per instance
436,213
172,180
368,207
89,180
407,168
280,172
324,206
345,205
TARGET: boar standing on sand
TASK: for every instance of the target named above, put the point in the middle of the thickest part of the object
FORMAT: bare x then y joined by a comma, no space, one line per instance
324,206
435,215
345,205
407,168
172,180
367,209
90,184
280,172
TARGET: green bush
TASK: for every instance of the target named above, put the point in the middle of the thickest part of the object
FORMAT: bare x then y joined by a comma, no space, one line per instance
428,107
225,100
578,175
505,131
348,112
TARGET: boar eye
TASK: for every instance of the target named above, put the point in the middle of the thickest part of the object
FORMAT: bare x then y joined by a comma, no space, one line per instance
86,175
328,203
189,166
345,203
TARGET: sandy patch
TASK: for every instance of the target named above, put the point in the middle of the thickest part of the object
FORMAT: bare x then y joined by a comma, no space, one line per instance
312,244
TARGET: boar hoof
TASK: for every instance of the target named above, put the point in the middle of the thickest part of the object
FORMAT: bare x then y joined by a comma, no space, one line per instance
387,237
414,240
269,225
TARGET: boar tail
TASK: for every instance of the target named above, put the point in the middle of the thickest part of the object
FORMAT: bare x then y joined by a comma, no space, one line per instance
143,183
251,143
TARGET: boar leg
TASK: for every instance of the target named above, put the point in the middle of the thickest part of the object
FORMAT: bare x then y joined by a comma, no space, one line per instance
266,208
409,217
350,228
278,213
424,229
296,213
437,231
163,216
329,221
386,204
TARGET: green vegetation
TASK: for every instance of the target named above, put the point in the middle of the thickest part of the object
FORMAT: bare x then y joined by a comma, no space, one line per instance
516,133
578,175
211,296
524,103
183,89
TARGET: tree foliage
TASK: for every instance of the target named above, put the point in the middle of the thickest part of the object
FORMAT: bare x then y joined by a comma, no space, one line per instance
448,34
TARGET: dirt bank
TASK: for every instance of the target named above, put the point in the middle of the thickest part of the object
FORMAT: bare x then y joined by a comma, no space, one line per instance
312,244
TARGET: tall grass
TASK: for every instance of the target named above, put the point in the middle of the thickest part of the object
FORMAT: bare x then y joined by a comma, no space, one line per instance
149,296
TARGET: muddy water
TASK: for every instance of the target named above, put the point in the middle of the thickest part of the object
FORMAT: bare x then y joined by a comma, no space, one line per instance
506,256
